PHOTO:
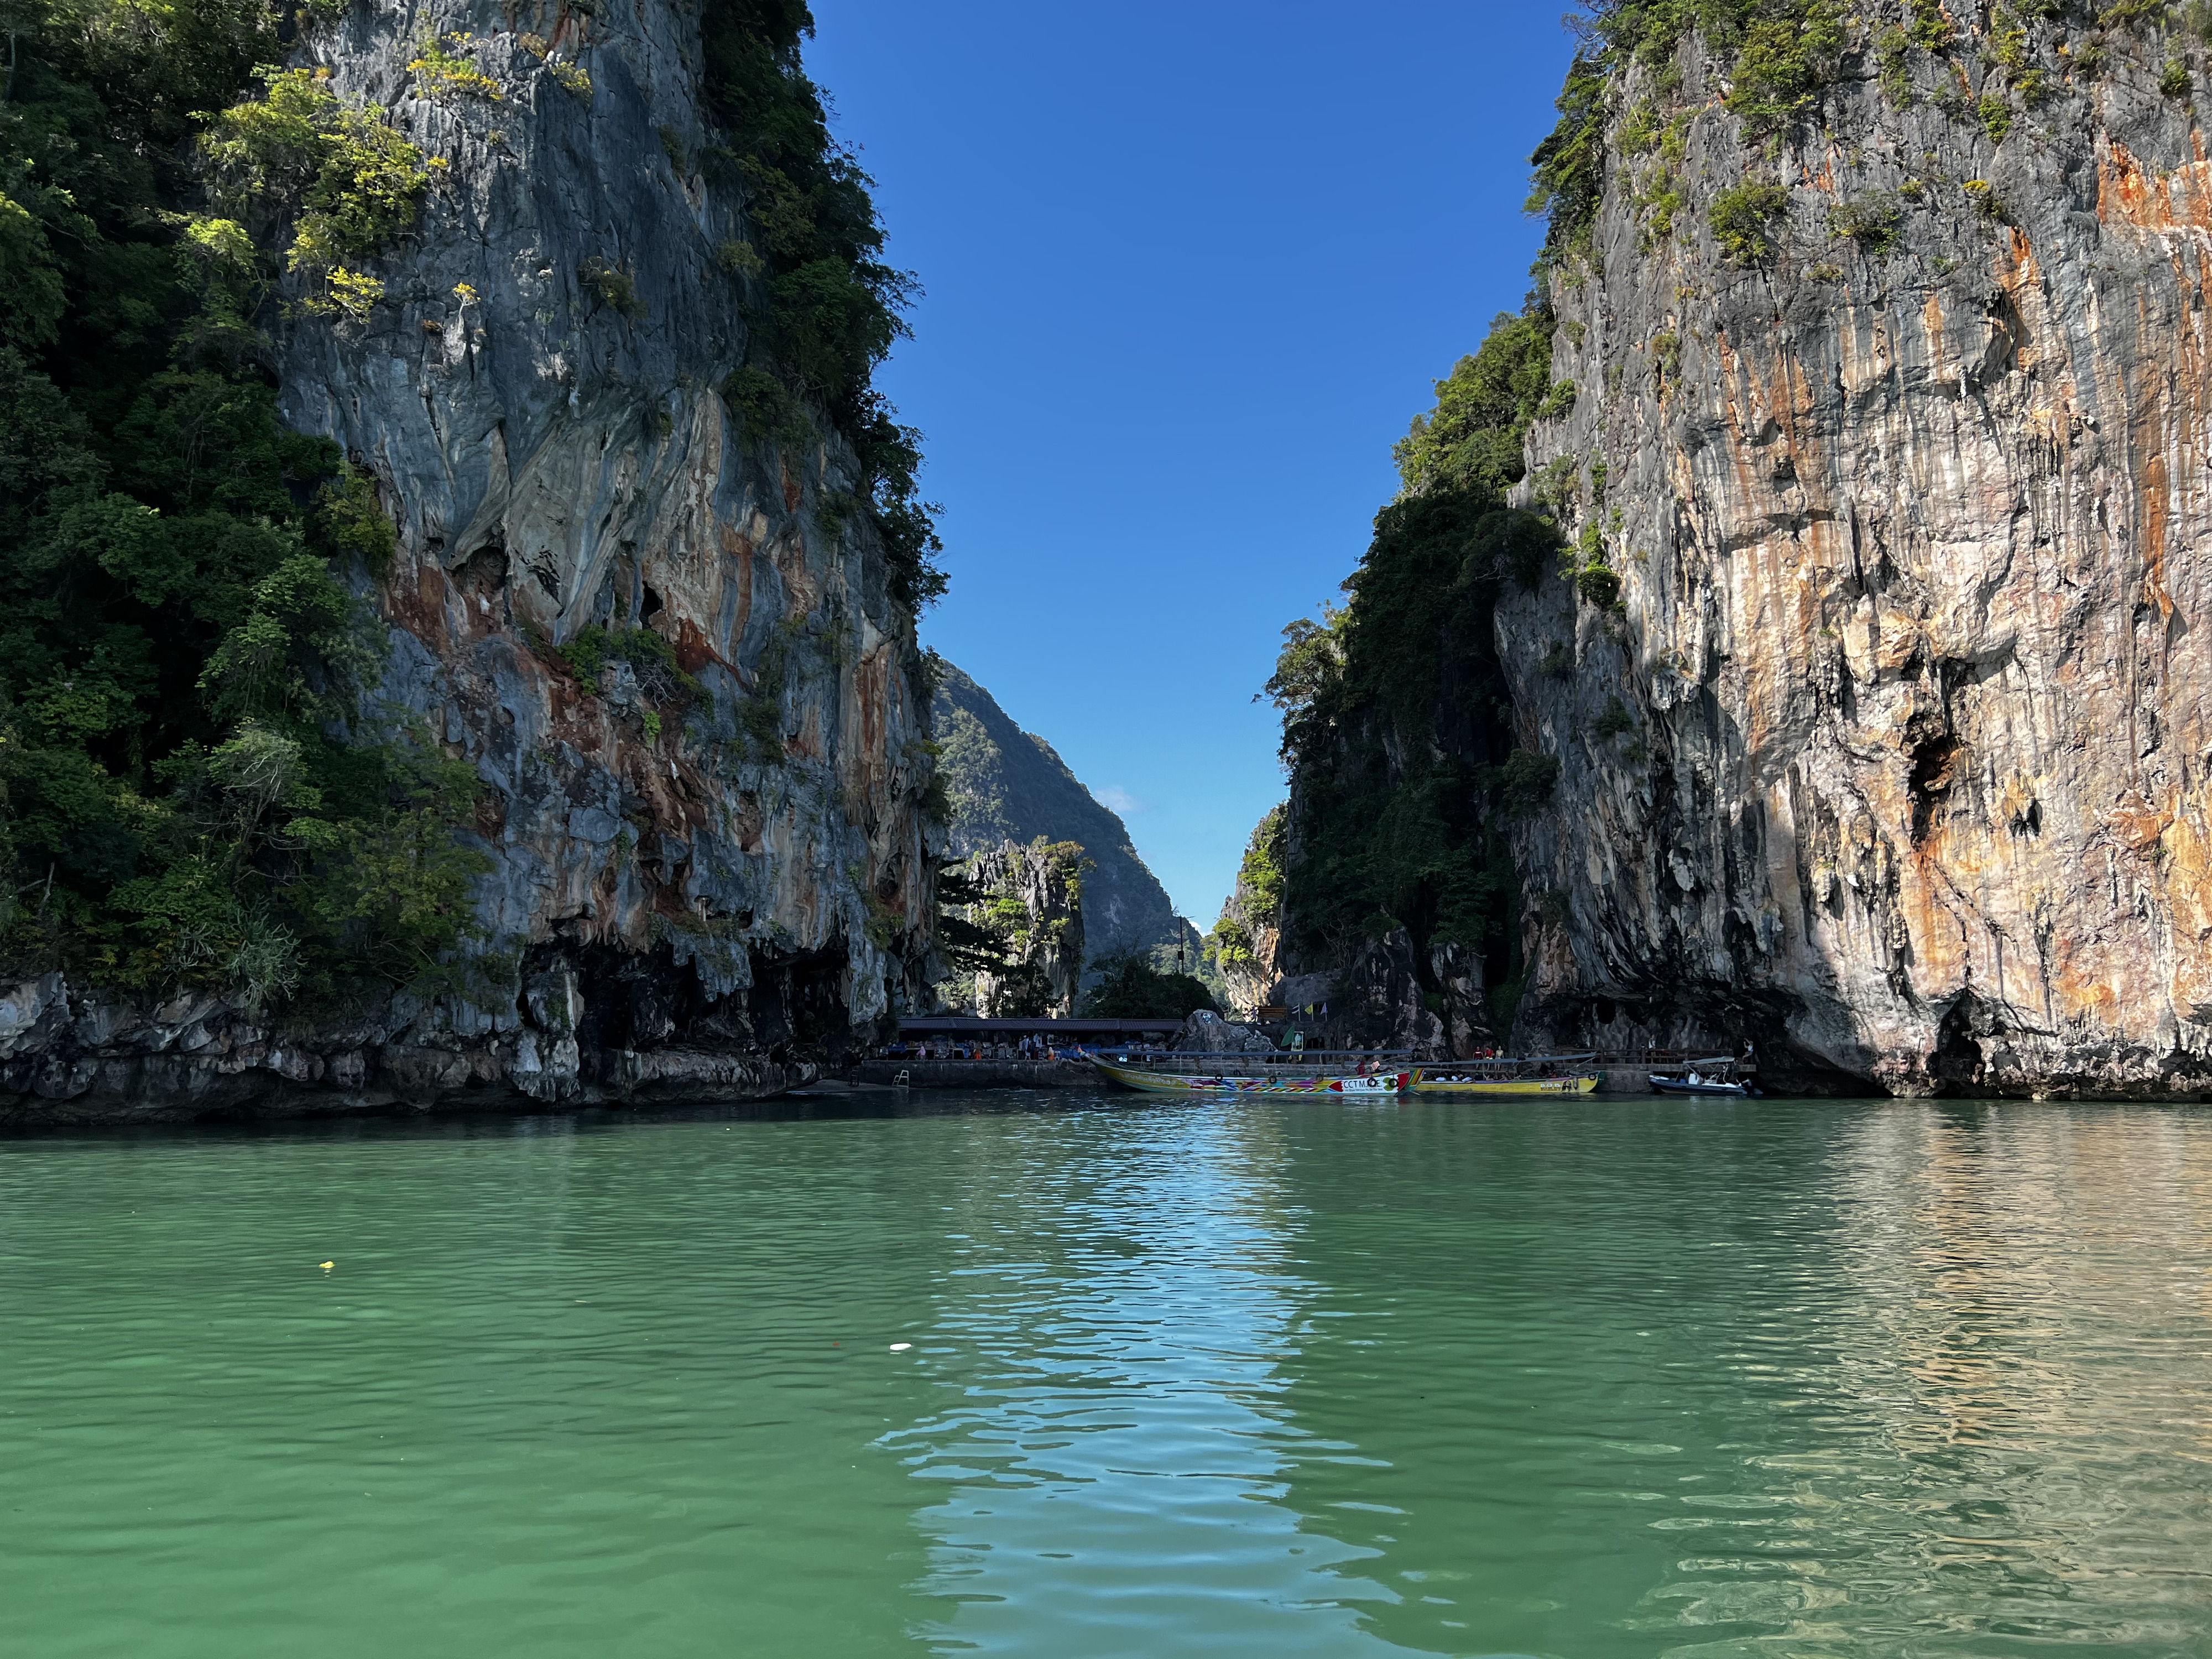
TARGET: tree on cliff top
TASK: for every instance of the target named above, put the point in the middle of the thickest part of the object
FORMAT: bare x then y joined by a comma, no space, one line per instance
970,945
1130,988
825,308
1473,437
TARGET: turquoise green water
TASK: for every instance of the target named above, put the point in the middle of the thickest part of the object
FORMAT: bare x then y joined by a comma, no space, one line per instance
1617,1378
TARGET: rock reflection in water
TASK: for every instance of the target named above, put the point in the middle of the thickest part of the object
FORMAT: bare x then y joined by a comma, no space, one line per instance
1604,1380
1621,1380
1116,1435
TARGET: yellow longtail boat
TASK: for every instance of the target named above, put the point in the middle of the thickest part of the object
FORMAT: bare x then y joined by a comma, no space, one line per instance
1538,1074
1243,1075
1505,1085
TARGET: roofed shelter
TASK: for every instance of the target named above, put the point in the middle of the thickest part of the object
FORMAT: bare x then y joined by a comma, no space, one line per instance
1067,1031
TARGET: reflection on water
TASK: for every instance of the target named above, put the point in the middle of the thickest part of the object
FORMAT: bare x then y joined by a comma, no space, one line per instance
1792,1378
1118,1333
2022,1385
1608,1379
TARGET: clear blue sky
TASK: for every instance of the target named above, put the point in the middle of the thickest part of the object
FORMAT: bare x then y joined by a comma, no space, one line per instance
1191,269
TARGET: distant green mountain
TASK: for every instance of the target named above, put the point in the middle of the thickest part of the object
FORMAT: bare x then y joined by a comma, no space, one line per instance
1008,785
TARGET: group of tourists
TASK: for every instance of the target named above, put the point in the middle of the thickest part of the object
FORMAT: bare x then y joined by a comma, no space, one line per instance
1027,1048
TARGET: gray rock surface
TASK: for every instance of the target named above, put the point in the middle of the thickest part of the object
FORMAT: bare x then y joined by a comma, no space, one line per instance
702,906
1205,1032
1381,1000
1298,992
1913,530
91,1058
1243,950
1048,881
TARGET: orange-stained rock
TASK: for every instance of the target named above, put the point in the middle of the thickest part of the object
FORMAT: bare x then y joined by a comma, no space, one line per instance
1916,553
682,895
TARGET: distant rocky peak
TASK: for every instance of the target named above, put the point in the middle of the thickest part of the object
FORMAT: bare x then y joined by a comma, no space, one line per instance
1008,786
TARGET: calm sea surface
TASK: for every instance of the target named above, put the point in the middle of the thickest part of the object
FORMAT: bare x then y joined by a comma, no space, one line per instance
1615,1378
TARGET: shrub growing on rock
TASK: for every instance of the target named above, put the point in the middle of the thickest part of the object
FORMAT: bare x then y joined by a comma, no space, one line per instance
1743,221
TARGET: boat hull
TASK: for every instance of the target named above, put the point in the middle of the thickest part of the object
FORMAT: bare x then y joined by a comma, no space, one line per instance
1177,1083
1674,1086
1510,1086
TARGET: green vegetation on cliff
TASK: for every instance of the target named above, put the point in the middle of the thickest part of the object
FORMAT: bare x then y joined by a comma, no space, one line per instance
1256,900
1776,56
1397,724
1779,52
825,308
1004,784
1472,440
201,788
192,796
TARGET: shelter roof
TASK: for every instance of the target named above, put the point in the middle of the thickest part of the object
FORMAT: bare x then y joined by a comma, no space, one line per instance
969,1026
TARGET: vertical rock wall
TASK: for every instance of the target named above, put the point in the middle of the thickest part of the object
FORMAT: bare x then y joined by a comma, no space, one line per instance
1040,887
554,461
1244,949
1914,635
691,898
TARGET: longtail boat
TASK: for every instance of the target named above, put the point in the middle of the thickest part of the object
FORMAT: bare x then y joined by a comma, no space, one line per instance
1539,1074
1505,1085
1220,1084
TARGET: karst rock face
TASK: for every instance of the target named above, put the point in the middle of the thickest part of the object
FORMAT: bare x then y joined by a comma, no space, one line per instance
701,906
1044,881
1246,948
553,462
1914,622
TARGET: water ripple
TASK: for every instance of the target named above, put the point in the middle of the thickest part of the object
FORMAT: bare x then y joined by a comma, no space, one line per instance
1615,1379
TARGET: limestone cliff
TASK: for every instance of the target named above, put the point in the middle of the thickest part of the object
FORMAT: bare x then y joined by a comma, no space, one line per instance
697,891
1005,784
1908,504
1037,894
1868,712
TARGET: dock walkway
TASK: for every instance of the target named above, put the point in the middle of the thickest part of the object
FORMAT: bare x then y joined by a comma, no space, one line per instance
980,1073
1615,1076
